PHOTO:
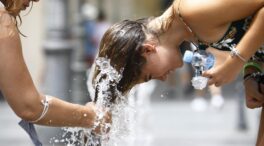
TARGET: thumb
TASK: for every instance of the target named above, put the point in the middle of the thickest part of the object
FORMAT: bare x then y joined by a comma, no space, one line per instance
207,73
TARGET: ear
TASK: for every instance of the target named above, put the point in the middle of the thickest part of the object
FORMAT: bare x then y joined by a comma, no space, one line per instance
148,49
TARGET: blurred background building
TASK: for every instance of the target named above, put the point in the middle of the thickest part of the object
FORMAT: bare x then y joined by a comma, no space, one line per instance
62,39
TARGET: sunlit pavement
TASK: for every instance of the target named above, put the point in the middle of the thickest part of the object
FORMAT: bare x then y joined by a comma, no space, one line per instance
11,134
176,124
170,123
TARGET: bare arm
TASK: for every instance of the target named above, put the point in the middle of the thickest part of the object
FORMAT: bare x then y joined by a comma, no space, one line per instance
20,92
247,46
217,12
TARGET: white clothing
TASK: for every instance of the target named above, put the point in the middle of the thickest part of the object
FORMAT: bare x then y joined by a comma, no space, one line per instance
1,5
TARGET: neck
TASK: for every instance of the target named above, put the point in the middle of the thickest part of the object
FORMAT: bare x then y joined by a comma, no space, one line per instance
176,33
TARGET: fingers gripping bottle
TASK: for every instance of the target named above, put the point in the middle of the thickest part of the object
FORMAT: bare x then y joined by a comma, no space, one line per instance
201,61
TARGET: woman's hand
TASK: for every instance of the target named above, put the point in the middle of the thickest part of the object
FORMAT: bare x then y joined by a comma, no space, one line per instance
225,68
254,99
104,123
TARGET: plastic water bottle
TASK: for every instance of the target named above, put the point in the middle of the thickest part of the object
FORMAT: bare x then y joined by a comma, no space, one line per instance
201,61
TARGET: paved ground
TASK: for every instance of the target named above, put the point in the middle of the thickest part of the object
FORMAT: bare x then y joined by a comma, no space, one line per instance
171,123
176,124
11,134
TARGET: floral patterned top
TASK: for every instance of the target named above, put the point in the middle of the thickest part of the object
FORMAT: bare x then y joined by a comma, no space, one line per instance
232,37
234,34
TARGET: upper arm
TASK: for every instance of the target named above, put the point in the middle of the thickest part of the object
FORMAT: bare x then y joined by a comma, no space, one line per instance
15,81
219,11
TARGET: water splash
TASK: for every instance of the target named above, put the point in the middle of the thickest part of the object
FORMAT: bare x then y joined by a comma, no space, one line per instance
121,110
107,79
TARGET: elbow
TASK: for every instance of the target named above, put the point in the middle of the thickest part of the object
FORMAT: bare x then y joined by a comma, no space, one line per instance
28,113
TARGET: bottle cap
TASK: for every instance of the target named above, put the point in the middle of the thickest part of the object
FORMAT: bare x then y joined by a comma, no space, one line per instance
187,57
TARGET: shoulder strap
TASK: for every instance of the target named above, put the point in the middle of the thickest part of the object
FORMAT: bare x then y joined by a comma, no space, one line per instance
181,18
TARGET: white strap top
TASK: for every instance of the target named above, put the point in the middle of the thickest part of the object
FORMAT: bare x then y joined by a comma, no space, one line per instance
1,5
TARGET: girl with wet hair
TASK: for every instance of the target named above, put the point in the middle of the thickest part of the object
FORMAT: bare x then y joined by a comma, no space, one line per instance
232,30
18,88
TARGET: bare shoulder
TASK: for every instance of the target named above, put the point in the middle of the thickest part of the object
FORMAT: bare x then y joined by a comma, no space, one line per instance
220,10
7,24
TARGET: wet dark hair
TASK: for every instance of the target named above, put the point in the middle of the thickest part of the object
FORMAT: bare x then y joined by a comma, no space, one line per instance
123,45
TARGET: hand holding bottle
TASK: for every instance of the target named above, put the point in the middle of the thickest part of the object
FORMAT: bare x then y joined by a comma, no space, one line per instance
201,61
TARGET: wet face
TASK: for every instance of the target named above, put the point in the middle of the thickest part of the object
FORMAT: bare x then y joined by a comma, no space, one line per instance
26,4
160,62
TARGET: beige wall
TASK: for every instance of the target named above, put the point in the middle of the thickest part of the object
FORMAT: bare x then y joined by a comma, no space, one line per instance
32,27
147,7
130,9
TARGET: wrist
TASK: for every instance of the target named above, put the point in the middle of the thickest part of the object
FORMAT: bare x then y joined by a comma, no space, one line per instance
235,62
235,53
91,117
87,115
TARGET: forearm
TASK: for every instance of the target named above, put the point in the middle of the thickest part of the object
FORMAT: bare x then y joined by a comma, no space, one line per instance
25,101
61,113
254,37
246,48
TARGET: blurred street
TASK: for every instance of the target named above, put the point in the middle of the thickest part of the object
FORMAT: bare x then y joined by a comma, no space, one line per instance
172,123
176,124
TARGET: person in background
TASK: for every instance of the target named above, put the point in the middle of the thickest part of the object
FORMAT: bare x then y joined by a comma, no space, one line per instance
101,26
90,13
254,90
95,26
200,103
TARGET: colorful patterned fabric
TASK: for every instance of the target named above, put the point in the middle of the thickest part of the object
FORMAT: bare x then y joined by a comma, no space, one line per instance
234,34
